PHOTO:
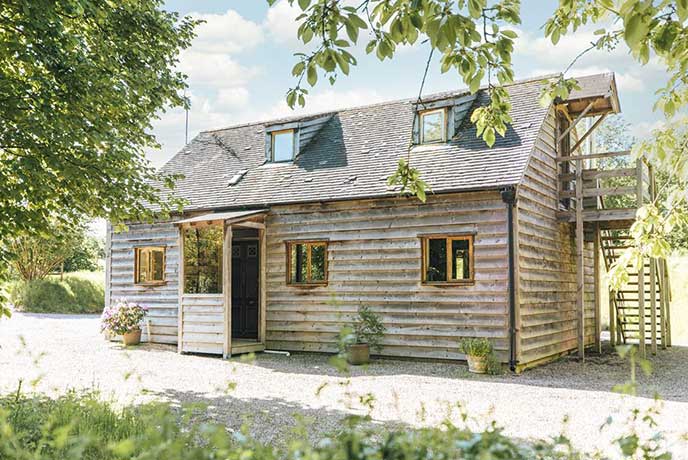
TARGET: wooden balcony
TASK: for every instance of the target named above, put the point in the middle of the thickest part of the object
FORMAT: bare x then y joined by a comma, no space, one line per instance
603,188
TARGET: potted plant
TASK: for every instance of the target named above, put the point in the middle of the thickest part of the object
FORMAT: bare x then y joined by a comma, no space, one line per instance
124,319
367,333
477,351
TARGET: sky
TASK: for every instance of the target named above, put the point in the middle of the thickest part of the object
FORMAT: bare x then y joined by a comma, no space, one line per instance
239,68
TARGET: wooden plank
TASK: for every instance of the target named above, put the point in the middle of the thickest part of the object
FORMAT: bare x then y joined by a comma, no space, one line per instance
667,302
653,305
596,290
600,174
180,294
592,156
604,215
641,310
227,291
262,315
602,191
575,122
580,260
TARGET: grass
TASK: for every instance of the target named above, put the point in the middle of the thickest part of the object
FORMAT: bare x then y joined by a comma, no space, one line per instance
78,292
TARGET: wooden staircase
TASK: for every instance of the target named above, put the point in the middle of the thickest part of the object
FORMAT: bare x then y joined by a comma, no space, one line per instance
625,310
602,202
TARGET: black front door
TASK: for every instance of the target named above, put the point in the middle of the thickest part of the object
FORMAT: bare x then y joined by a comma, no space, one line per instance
245,283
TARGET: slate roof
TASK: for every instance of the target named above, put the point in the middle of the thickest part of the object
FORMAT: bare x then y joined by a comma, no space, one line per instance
352,156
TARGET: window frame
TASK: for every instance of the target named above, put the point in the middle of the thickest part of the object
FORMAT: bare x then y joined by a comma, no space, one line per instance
425,258
421,135
272,144
310,244
137,256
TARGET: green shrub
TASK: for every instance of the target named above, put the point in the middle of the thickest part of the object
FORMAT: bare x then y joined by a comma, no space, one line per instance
81,426
475,346
72,295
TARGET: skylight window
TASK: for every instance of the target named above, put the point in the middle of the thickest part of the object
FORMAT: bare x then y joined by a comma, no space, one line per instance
283,145
433,126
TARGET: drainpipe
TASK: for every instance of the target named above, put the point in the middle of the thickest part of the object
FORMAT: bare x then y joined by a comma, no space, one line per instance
509,197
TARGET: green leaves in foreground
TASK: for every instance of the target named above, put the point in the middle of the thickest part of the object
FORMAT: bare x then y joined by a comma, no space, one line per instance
473,38
409,179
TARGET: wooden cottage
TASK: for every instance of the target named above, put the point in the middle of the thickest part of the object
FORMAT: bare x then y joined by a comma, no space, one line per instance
291,226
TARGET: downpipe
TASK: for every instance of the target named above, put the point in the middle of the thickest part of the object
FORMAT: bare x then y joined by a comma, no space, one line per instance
509,198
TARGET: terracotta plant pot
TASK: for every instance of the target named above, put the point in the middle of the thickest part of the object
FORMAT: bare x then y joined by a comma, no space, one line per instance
358,353
477,364
131,337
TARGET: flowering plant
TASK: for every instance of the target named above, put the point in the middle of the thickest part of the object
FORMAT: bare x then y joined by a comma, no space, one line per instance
122,317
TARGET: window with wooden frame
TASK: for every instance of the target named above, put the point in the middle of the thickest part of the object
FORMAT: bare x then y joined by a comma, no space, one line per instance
149,265
307,263
447,259
282,145
433,126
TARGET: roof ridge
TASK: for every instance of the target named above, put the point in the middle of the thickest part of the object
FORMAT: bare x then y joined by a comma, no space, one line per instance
376,104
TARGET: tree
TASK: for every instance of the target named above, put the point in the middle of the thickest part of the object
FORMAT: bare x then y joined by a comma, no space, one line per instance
86,255
80,82
474,40
36,256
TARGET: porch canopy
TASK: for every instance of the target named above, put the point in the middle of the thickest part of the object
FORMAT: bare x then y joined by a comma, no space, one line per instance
230,217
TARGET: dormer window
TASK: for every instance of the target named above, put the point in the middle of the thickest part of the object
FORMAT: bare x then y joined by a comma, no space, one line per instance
433,126
282,145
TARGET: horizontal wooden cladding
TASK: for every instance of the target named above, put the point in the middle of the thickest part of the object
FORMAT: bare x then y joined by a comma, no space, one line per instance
547,282
374,259
161,300
203,323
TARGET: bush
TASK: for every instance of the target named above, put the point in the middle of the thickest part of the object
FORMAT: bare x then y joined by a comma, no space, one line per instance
72,295
80,426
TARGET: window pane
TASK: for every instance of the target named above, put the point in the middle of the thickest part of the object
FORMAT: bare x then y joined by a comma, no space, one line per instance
283,146
142,269
433,126
437,260
203,260
318,262
461,269
158,268
299,263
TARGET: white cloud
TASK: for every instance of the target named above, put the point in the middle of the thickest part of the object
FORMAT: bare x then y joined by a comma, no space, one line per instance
232,98
226,33
643,129
214,69
281,24
324,101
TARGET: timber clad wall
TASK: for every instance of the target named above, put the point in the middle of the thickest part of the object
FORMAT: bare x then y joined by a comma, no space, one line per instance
374,259
161,300
547,266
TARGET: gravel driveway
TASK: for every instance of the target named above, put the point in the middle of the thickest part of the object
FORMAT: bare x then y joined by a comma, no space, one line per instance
267,392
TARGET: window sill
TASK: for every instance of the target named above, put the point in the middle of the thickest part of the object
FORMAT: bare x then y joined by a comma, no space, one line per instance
151,284
448,283
306,286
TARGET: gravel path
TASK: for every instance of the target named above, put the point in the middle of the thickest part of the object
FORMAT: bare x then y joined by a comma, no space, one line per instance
267,392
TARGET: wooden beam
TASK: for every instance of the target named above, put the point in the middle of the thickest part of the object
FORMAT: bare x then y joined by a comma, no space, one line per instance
250,224
575,122
612,320
641,309
262,318
580,260
662,307
667,291
653,304
592,174
598,305
180,293
604,191
588,132
227,292
592,156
